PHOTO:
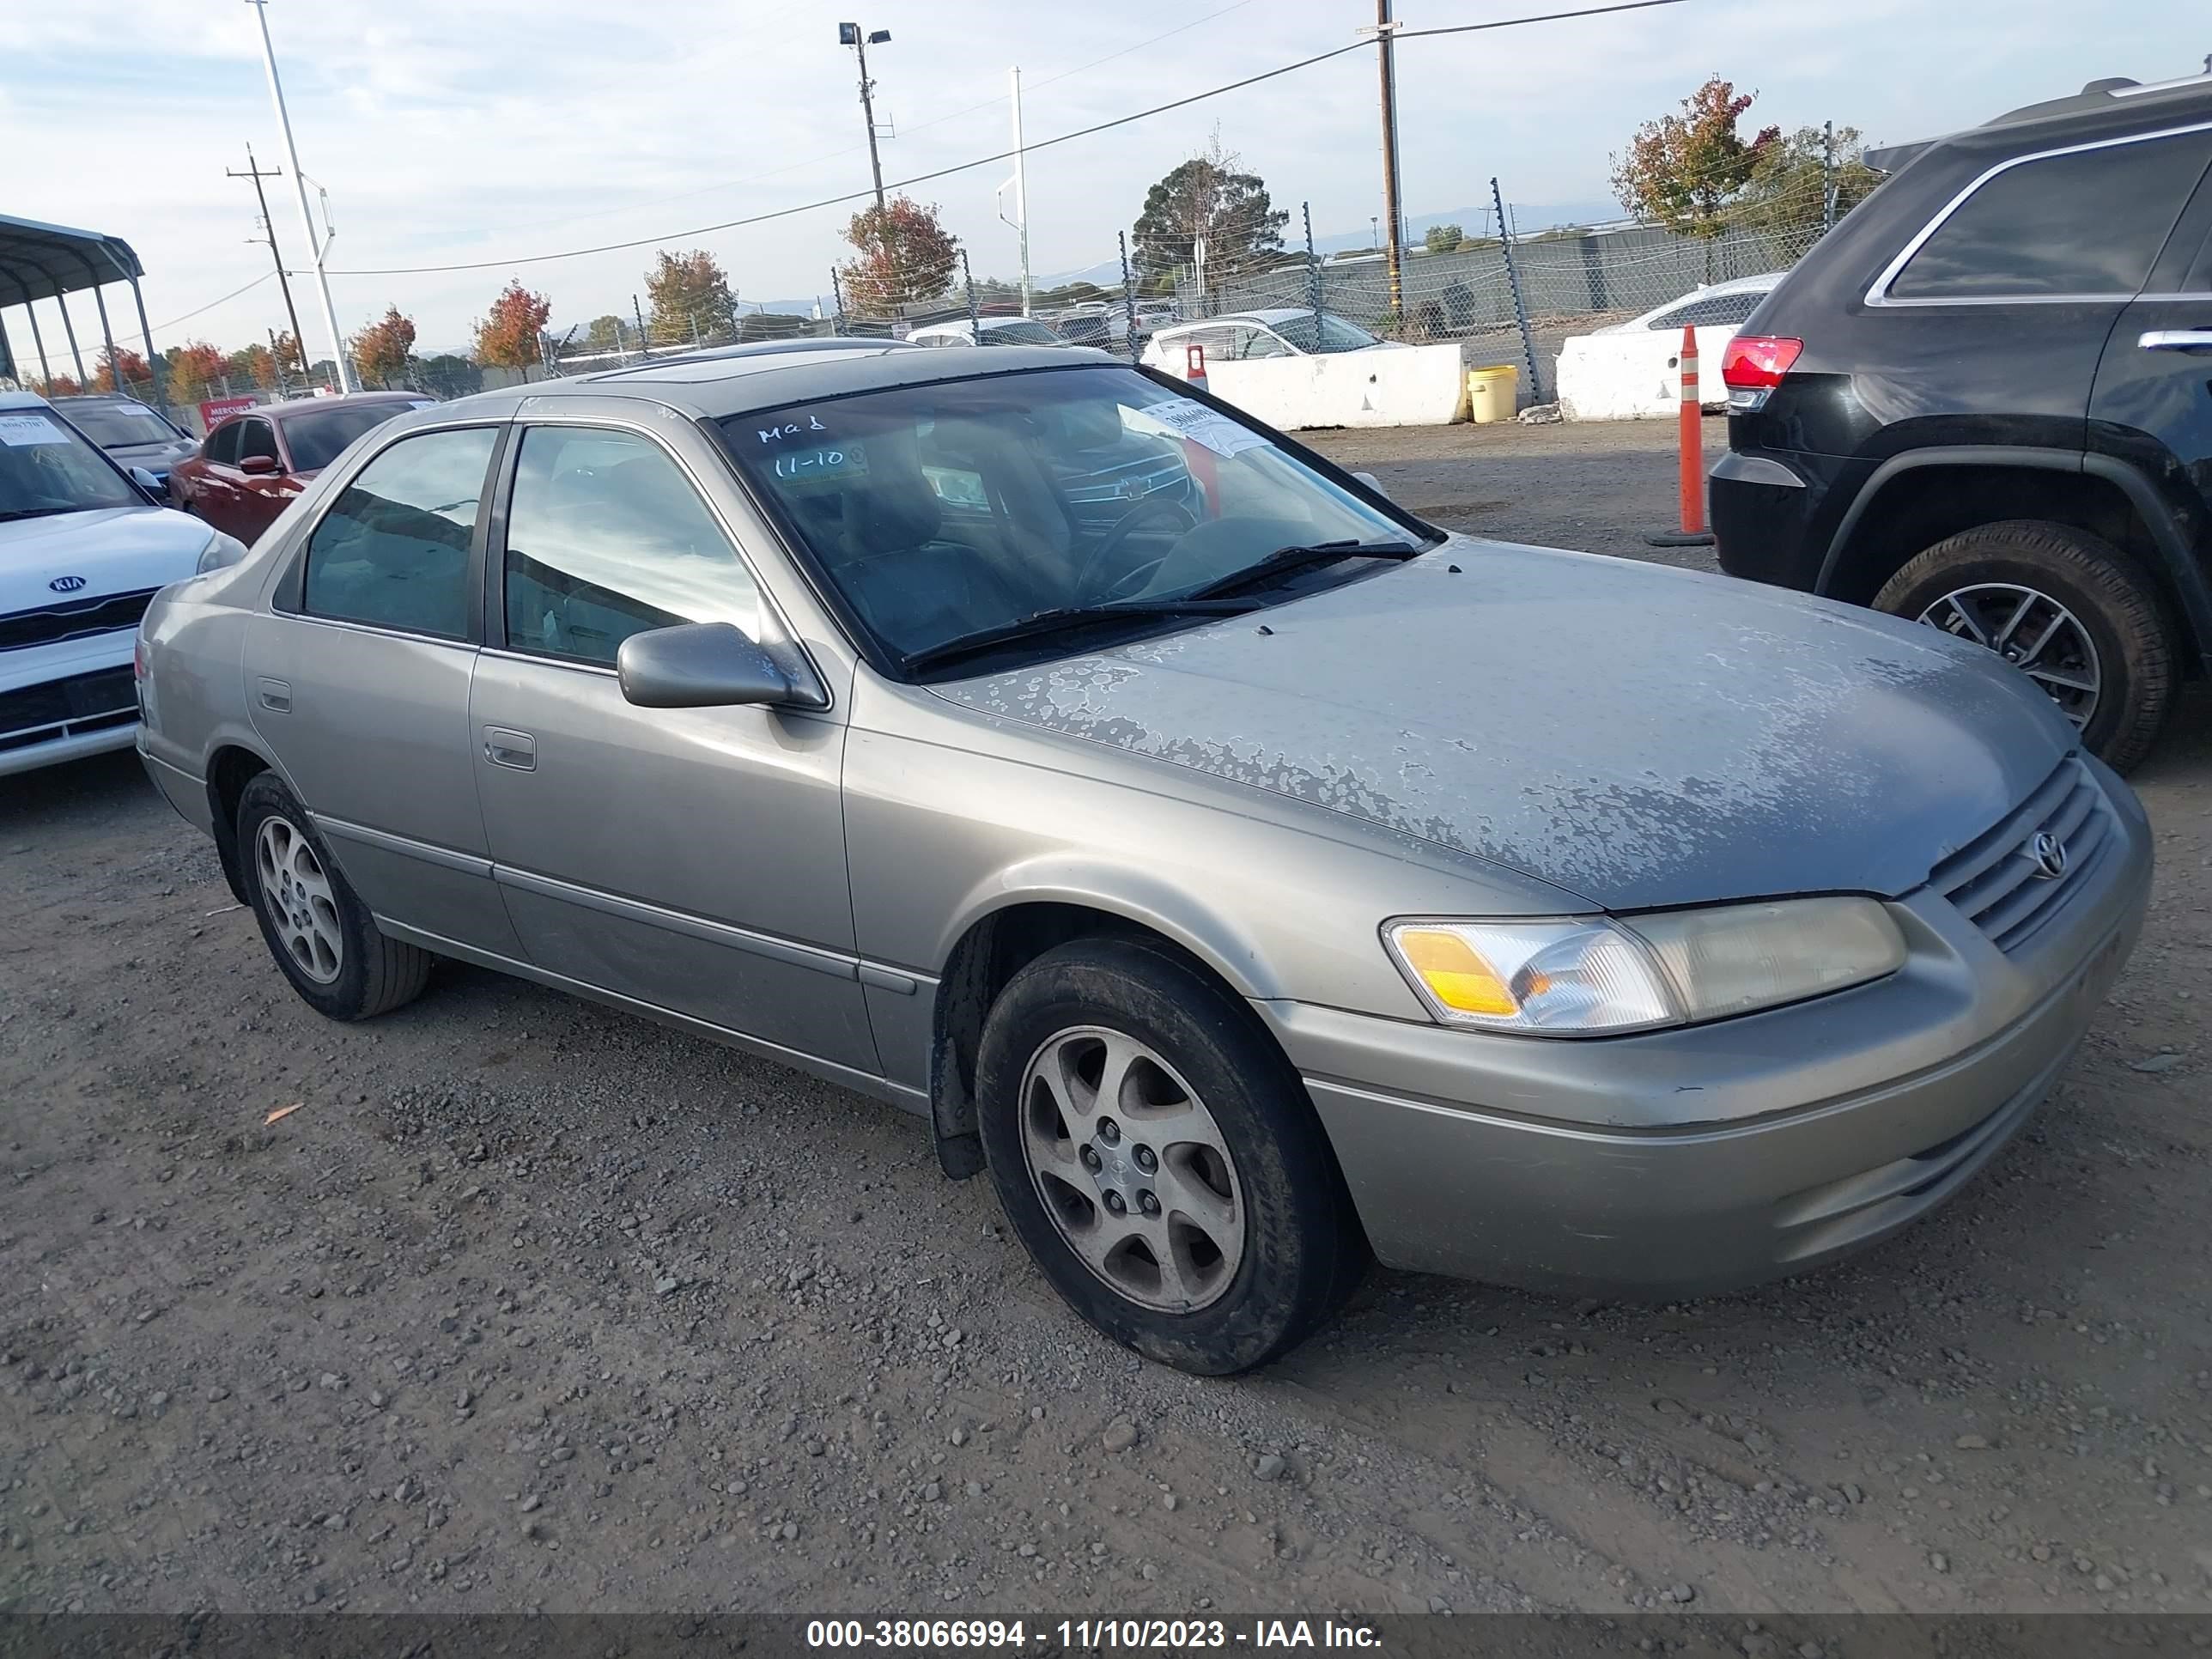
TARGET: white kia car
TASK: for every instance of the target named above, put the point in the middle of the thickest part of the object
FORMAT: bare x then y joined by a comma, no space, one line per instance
83,547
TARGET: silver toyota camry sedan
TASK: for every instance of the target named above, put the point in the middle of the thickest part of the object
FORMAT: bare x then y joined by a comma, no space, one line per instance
1250,878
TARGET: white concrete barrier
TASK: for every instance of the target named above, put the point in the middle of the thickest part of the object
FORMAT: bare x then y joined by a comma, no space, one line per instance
1633,377
1386,385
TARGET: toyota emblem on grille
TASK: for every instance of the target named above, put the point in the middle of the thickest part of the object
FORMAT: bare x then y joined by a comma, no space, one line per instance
2048,854
67,584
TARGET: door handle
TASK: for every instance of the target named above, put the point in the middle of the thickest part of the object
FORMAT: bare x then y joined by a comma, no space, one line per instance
503,747
2176,339
276,695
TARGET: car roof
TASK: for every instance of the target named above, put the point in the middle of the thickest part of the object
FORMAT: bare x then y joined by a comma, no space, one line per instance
23,400
2115,103
100,398
291,406
769,375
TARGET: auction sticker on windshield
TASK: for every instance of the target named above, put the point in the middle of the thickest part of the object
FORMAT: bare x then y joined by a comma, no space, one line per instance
22,431
1184,418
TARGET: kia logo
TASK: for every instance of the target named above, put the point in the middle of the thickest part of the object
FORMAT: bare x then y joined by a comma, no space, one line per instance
67,584
2048,854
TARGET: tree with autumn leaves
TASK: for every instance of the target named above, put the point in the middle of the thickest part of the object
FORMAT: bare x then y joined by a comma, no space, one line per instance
512,334
691,298
381,351
1687,172
904,254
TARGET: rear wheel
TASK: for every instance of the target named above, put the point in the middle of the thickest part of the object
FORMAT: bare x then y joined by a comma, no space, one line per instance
2069,610
321,934
1160,1159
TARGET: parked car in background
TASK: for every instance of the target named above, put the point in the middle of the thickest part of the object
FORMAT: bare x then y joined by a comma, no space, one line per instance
996,332
1633,369
1243,879
1240,335
133,434
83,546
250,466
1984,402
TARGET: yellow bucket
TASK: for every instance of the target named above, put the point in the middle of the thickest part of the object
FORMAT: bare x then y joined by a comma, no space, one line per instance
1492,394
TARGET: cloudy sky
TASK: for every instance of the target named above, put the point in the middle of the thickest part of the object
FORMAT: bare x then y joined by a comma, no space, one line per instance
484,132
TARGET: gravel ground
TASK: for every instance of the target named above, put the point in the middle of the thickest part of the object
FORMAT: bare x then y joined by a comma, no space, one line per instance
532,1305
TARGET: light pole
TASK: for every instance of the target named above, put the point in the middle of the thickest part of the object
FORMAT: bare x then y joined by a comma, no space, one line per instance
306,218
849,35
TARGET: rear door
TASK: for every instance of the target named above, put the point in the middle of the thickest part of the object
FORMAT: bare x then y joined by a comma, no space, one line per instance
210,485
2152,410
691,858
358,680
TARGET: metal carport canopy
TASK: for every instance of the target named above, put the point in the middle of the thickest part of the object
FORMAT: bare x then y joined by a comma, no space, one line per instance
41,261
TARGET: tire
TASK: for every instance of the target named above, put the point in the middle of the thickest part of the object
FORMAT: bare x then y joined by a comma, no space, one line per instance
315,926
2103,589
1298,1250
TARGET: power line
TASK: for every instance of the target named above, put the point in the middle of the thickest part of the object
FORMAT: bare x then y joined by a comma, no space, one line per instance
163,328
982,160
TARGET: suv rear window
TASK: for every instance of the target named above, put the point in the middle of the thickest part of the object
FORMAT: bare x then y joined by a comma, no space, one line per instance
2088,223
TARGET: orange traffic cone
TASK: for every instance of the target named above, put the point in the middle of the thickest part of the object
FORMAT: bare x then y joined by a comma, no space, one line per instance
1691,466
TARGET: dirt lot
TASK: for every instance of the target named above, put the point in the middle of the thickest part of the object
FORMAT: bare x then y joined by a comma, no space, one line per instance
530,1304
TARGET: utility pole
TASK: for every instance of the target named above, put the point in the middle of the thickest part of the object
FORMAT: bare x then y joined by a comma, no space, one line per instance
1827,177
268,234
1386,63
851,34
306,217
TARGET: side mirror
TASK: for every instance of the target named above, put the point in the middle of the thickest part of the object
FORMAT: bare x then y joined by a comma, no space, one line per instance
698,666
147,482
1373,483
258,464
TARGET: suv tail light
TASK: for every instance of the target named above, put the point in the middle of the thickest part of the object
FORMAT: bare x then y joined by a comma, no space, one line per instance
138,659
1753,365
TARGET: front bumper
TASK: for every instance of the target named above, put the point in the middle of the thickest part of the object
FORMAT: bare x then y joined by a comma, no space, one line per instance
1691,1161
65,701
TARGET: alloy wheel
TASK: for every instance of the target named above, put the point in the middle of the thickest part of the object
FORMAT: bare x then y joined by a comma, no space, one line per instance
2033,632
301,907
1134,1172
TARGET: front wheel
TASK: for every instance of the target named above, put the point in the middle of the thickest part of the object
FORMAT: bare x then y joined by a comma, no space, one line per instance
1160,1159
2069,610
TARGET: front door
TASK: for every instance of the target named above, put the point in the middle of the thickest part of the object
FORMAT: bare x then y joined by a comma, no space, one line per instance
263,489
358,680
692,860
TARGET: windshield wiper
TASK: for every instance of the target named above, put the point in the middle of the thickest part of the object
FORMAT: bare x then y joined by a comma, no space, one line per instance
1284,559
1063,619
11,512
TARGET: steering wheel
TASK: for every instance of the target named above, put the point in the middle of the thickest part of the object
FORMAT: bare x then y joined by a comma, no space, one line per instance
1111,542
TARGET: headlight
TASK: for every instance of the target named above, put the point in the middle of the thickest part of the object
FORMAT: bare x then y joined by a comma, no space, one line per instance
1593,976
221,550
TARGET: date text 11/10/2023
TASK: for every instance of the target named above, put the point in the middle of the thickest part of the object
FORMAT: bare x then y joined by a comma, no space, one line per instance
1087,1634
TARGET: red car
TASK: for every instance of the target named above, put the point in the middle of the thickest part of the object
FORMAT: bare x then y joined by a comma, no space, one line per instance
252,464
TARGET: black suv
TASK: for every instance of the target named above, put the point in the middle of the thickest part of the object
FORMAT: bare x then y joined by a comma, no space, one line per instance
1984,400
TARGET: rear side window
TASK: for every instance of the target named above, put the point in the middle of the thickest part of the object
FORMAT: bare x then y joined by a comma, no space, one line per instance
605,539
223,443
1717,311
393,549
2086,223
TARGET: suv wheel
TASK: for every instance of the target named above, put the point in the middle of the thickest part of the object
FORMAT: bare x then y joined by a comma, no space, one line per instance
2070,610
1160,1159
320,932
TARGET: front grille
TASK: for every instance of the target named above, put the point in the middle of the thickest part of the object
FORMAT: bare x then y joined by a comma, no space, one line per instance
1994,881
1103,497
73,619
67,708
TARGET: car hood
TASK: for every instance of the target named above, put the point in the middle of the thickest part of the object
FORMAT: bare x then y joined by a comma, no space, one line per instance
114,549
1640,735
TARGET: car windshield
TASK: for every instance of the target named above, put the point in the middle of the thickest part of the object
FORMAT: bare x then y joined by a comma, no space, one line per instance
320,435
1020,332
1335,335
46,468
945,510
118,426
